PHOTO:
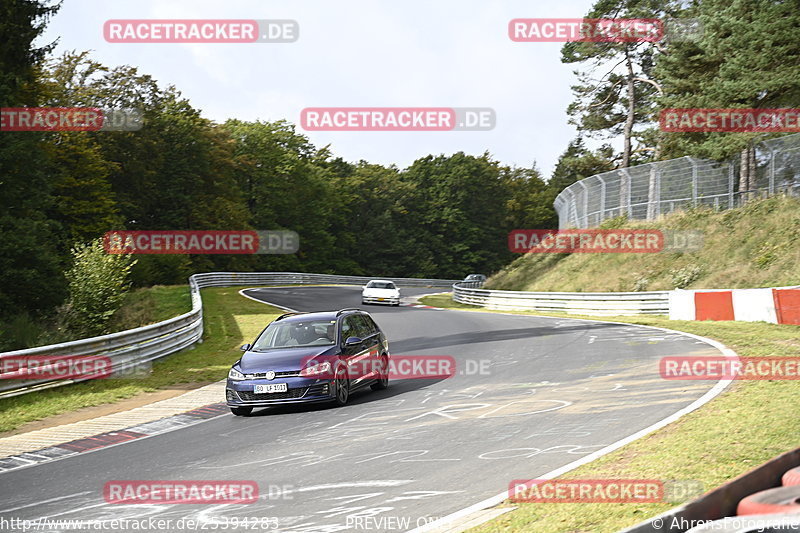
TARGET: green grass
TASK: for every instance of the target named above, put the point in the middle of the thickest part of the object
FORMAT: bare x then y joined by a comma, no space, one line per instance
748,424
151,304
757,245
229,321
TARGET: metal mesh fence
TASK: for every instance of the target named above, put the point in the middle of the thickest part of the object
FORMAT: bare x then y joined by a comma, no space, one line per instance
647,191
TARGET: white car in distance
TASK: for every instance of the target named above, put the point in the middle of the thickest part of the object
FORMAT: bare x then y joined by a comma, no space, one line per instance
380,291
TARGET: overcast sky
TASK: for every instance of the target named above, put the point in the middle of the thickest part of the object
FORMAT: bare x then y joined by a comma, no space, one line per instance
360,53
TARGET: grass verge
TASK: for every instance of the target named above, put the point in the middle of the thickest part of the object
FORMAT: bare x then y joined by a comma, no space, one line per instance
748,424
757,245
229,322
151,304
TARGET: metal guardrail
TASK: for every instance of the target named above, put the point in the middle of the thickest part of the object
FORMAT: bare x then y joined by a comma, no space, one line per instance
576,303
130,349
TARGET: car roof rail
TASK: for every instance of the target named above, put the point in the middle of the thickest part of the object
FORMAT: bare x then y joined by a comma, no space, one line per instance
291,314
346,309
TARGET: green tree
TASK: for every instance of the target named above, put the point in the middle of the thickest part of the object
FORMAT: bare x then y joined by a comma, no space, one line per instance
617,87
748,56
98,282
30,268
459,220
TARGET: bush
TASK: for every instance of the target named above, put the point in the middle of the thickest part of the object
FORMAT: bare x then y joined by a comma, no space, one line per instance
97,285
683,277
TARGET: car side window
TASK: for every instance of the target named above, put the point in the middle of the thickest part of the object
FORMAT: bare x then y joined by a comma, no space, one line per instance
349,327
364,327
373,327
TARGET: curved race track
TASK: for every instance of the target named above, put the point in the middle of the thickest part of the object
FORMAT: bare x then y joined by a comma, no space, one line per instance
555,390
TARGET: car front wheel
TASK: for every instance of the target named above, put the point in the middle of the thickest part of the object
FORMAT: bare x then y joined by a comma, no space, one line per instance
241,411
341,387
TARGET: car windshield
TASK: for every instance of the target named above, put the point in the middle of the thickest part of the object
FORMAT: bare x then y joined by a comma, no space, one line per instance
296,333
380,285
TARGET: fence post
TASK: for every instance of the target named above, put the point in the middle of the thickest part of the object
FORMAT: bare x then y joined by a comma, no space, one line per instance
585,204
602,198
573,211
694,182
731,183
653,190
771,171
658,190
625,192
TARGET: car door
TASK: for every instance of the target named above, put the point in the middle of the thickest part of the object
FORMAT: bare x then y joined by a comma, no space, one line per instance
371,345
356,357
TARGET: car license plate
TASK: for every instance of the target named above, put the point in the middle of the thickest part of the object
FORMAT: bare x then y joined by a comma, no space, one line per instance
272,387
381,299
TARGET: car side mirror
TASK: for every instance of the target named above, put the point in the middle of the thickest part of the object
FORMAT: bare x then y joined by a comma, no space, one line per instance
352,341
245,347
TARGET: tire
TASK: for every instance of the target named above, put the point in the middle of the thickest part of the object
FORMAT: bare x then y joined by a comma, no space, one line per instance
791,478
383,380
341,386
241,411
778,500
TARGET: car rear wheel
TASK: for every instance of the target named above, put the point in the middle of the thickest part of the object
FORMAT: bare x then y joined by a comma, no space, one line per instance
383,379
341,387
241,411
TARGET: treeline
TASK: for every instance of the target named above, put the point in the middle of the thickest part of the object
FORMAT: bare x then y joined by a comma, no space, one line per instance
444,216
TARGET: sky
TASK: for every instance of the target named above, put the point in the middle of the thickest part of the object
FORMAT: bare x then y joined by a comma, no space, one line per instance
359,53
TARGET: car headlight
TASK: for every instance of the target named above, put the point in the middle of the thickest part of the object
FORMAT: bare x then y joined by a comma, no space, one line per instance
235,375
315,369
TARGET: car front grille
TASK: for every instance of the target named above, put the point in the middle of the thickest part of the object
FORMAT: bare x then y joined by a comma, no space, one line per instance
291,394
262,375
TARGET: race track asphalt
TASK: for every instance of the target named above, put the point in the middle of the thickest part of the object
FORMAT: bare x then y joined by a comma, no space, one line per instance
551,390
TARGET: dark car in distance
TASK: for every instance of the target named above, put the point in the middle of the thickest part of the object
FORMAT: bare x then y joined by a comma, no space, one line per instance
309,357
